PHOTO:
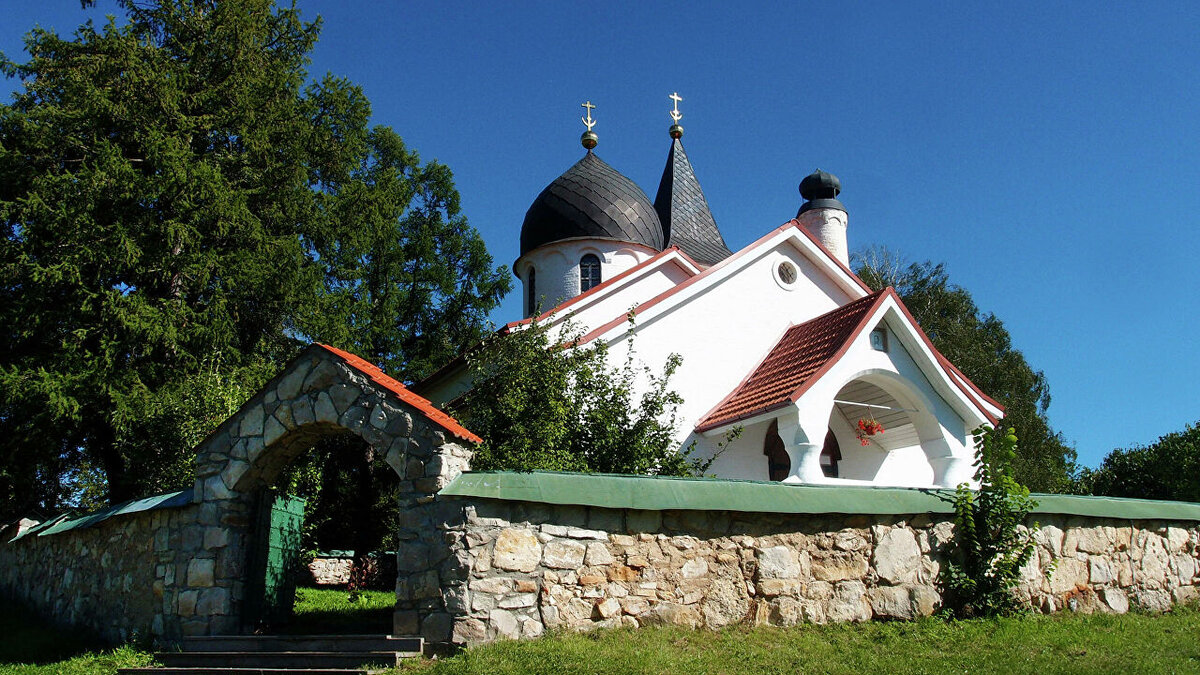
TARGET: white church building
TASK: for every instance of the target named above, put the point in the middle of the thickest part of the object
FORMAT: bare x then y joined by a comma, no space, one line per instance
828,381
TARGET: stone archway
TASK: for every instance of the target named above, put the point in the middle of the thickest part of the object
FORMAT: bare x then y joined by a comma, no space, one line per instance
322,391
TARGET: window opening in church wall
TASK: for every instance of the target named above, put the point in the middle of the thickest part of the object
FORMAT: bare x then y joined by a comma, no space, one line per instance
589,272
879,341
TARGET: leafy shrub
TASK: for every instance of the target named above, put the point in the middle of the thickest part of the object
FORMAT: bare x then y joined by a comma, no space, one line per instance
542,401
990,544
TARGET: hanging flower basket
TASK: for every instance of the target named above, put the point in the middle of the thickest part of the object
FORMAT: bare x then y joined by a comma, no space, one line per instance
867,427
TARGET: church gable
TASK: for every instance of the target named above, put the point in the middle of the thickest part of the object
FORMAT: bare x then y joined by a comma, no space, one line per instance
787,265
857,394
800,357
873,333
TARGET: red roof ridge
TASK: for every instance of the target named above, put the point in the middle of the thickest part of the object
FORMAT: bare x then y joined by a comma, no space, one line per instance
748,398
943,361
604,328
793,223
605,285
403,393
450,365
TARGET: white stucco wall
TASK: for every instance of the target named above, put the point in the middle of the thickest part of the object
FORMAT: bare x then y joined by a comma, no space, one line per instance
557,267
829,228
727,326
600,308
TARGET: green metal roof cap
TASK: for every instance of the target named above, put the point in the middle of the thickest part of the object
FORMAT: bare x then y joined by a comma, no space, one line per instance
655,493
62,523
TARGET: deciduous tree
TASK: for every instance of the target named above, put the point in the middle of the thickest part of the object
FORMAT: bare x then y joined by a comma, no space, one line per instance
544,403
1169,468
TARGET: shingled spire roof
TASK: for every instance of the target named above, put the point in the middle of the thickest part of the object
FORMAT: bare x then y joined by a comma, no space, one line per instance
686,219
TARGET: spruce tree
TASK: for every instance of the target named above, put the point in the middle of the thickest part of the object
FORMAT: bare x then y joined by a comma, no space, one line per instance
176,199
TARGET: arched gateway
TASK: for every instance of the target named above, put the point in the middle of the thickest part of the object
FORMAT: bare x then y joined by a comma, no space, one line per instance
323,391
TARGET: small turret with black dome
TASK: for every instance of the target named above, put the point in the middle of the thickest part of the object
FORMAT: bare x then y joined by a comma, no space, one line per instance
822,214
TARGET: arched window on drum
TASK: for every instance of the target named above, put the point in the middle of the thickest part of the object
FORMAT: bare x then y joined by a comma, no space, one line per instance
531,293
589,272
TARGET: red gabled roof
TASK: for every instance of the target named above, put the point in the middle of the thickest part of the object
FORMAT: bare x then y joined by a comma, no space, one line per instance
800,357
400,391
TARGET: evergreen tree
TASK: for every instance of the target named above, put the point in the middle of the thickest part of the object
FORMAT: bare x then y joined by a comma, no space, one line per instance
978,344
174,199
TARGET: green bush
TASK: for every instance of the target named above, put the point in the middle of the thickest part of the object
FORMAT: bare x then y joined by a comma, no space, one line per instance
990,544
542,399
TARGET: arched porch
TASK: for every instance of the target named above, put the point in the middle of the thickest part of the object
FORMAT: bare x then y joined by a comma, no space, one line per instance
825,443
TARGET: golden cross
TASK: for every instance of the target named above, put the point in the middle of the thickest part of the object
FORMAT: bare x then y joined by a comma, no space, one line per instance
588,121
675,114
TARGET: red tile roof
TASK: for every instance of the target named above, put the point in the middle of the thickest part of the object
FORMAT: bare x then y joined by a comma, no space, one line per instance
800,357
401,392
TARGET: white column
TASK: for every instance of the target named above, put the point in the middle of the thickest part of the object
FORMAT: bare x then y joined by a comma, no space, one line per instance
806,463
804,438
949,468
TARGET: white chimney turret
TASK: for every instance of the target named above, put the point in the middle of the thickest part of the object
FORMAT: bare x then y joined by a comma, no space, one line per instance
822,214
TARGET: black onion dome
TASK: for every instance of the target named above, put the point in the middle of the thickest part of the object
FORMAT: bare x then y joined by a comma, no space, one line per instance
593,200
820,190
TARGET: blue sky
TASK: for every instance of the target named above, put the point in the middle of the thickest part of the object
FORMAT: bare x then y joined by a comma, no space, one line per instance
1047,153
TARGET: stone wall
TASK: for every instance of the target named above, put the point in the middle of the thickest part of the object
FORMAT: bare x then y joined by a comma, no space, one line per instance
329,570
492,569
336,568
183,571
144,574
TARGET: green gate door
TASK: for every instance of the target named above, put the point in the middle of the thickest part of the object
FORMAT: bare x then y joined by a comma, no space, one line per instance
274,560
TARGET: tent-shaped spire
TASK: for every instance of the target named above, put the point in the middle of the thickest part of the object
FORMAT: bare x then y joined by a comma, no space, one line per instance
686,219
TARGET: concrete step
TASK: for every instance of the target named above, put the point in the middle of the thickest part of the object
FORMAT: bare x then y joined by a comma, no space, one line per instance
303,643
243,671
283,660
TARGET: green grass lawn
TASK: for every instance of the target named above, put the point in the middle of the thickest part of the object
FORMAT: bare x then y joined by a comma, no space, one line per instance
320,611
1133,643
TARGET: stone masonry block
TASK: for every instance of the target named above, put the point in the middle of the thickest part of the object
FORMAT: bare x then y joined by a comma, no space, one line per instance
200,573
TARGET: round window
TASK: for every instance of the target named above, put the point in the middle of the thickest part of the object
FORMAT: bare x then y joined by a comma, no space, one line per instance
787,273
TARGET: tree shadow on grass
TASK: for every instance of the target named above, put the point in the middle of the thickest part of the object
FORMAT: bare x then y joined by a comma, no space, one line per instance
27,638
